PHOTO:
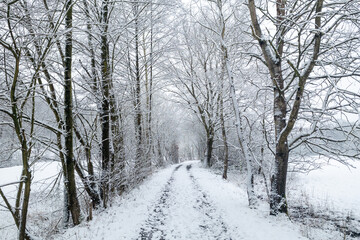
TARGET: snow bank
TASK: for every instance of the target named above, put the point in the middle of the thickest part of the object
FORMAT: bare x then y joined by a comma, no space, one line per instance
245,223
123,220
44,174
334,185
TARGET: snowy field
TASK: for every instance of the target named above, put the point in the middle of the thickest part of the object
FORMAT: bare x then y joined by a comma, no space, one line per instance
330,192
188,202
45,199
334,184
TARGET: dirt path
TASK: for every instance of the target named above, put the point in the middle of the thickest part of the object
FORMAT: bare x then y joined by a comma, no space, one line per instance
184,211
153,225
184,202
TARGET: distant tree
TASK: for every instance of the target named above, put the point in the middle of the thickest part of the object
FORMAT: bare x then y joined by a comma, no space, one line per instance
174,152
197,82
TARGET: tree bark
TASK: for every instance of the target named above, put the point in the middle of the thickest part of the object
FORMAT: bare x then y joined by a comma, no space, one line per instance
25,151
245,152
105,111
209,147
224,136
89,182
70,182
118,156
137,103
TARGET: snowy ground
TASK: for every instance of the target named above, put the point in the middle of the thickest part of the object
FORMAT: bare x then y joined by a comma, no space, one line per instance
330,197
325,203
185,202
44,208
188,202
334,185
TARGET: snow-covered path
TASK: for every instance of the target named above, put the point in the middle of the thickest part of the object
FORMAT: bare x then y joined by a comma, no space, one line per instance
185,202
185,211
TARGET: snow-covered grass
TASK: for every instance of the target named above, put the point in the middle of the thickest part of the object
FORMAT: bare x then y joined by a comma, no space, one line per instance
124,219
335,184
45,205
325,203
330,197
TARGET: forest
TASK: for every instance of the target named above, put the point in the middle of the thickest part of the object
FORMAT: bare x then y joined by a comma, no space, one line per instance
113,91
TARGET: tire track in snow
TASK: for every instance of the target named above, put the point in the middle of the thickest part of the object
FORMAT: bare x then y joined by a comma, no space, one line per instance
208,223
213,223
152,227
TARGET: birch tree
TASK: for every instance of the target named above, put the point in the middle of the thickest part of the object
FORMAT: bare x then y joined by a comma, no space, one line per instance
219,27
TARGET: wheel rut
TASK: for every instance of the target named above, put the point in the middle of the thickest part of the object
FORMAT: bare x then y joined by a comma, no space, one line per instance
182,197
212,223
152,227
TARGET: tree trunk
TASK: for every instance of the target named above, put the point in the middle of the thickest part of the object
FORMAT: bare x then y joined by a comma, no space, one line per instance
160,156
239,130
278,202
243,147
26,176
209,148
278,178
89,182
223,133
118,157
105,111
238,124
149,93
148,89
221,102
137,104
69,158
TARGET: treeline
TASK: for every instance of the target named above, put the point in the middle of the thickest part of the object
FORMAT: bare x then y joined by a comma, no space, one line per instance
80,81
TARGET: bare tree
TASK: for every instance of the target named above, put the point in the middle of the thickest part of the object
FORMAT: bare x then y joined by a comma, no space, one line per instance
70,182
296,52
20,95
197,84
